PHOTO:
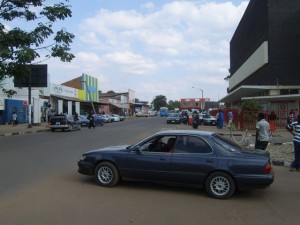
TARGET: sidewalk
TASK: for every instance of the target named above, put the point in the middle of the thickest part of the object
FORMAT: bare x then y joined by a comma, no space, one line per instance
8,130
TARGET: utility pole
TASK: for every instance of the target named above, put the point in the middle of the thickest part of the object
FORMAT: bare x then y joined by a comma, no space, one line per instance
29,101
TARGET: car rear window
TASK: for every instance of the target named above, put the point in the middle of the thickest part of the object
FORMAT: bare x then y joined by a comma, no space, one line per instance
225,143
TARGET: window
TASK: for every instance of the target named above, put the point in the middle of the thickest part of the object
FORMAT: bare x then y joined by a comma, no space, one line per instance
191,144
225,143
159,144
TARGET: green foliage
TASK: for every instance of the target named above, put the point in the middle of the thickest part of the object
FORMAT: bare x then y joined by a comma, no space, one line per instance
250,108
20,47
159,101
173,105
250,105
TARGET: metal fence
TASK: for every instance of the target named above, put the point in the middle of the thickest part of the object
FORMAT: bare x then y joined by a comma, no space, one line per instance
247,119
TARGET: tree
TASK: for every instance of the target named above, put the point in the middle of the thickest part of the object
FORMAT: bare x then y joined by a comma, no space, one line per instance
173,104
250,105
20,47
159,101
250,109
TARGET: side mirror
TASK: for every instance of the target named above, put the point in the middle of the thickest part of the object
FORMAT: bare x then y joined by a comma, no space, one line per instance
137,149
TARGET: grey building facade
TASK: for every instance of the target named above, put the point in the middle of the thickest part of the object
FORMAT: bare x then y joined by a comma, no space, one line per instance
265,56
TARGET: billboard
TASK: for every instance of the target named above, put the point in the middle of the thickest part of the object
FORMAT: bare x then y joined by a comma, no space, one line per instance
38,76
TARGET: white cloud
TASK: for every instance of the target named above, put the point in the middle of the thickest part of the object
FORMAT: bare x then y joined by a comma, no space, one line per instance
171,46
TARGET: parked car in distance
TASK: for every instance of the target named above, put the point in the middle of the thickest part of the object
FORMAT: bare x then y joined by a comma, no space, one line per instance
83,120
173,118
99,120
209,120
122,118
142,114
107,118
63,122
115,118
182,157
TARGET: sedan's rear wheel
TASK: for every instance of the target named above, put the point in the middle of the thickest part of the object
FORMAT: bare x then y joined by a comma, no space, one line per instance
220,185
106,174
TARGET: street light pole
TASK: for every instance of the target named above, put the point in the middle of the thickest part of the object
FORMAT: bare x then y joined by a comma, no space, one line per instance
202,104
199,90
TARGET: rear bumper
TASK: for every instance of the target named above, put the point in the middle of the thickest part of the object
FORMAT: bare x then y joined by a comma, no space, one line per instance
59,126
254,181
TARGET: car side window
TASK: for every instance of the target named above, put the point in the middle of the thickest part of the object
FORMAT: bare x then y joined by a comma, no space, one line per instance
159,144
191,144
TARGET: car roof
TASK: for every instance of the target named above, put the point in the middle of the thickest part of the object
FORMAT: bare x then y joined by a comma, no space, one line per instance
185,132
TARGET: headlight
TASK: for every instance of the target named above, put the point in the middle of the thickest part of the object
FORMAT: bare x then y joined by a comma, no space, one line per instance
82,157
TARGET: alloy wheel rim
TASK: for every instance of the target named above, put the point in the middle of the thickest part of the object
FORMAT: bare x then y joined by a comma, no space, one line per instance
105,175
220,186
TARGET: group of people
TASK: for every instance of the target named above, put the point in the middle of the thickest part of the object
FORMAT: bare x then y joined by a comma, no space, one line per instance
263,137
221,118
263,131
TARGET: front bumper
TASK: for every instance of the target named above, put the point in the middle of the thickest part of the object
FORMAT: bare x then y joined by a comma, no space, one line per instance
173,121
85,168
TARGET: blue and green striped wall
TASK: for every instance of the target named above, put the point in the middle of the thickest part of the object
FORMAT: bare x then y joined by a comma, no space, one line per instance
90,84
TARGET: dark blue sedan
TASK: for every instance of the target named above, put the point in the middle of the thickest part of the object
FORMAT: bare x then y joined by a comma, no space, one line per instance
182,157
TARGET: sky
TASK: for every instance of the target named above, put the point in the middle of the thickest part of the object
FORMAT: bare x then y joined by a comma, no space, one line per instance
152,47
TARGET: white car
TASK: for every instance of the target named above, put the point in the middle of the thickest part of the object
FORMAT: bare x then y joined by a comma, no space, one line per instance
107,118
115,117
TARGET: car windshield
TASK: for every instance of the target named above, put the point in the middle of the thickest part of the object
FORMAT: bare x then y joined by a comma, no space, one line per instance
173,115
225,143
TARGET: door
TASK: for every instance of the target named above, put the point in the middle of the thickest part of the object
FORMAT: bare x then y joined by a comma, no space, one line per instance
193,158
151,161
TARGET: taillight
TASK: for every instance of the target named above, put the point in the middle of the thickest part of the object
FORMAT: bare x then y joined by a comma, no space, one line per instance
267,168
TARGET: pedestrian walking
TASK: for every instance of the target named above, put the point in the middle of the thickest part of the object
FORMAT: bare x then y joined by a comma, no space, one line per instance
230,118
92,121
262,136
195,120
220,119
294,128
14,119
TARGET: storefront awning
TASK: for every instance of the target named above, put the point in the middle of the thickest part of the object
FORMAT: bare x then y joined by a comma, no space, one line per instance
119,105
251,92
67,98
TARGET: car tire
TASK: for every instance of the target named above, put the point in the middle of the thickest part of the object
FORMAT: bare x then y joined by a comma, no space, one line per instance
106,174
79,127
52,129
220,185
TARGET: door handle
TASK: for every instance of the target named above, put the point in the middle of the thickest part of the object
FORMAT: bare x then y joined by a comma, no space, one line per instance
162,159
210,161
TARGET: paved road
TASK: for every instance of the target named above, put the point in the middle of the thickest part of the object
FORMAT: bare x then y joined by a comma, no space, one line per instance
39,185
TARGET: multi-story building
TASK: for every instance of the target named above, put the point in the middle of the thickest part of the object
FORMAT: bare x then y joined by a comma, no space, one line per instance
199,104
265,56
118,103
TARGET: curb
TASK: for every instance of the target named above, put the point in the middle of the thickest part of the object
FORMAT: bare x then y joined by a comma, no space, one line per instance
22,132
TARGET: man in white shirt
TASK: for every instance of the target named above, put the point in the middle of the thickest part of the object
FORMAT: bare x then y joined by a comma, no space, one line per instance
262,132
14,119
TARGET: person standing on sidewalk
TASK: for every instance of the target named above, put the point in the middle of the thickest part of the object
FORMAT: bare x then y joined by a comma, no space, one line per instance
294,128
230,118
220,119
262,136
14,119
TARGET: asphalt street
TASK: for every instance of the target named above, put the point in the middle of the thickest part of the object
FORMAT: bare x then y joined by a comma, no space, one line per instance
40,185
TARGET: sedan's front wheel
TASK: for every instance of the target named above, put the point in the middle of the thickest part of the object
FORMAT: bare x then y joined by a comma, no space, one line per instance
220,185
106,174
